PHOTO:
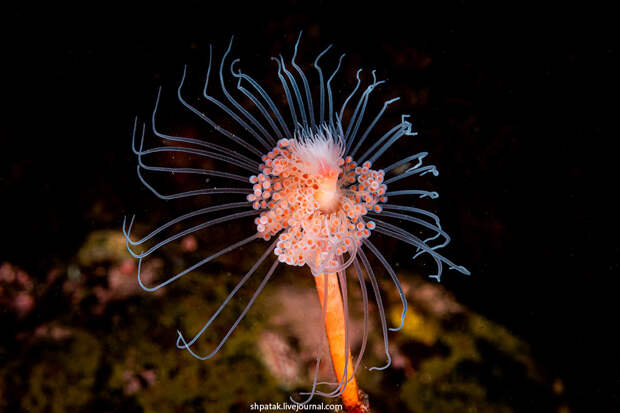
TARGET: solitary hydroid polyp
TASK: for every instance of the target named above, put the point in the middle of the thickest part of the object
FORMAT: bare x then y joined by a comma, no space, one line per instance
313,196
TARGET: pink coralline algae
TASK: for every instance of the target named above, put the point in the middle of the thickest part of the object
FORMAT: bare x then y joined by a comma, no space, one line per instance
16,289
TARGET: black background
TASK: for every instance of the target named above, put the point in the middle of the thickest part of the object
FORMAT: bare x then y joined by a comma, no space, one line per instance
520,110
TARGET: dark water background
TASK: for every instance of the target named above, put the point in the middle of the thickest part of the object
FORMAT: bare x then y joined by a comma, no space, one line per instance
513,104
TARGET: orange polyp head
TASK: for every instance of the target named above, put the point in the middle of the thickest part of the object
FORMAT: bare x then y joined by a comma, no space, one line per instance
328,193
318,214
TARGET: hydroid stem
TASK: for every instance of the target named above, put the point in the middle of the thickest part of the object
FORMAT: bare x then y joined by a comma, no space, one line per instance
335,329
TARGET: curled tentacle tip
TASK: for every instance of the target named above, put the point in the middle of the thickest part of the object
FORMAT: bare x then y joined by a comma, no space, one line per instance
463,270
402,323
299,403
137,256
388,364
181,343
127,230
181,338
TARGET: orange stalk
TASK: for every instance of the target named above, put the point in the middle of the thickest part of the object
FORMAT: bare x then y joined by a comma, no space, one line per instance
335,329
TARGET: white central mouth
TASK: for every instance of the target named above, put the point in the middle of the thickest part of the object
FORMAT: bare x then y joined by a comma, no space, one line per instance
320,151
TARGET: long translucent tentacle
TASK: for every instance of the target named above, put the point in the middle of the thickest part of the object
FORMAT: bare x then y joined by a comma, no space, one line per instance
193,267
181,218
406,131
360,355
346,101
305,82
197,171
266,98
418,156
416,171
300,102
194,192
330,101
420,193
234,159
411,239
287,92
199,152
236,323
239,107
364,291
416,241
191,230
240,284
370,127
225,108
343,381
415,210
392,274
256,103
194,171
401,235
321,85
236,155
438,231
377,292
318,357
394,131
360,109
419,251
214,125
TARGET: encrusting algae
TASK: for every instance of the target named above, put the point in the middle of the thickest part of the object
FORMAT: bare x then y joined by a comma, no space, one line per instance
73,357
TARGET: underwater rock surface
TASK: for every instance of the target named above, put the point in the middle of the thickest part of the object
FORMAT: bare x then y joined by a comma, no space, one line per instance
110,347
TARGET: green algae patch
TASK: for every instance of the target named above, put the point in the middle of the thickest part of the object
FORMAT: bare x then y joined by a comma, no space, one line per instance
416,325
103,246
64,380
463,362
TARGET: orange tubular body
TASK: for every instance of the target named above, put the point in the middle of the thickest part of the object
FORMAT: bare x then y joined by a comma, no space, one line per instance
335,329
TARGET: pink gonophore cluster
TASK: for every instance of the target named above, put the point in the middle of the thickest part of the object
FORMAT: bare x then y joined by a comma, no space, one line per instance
317,200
